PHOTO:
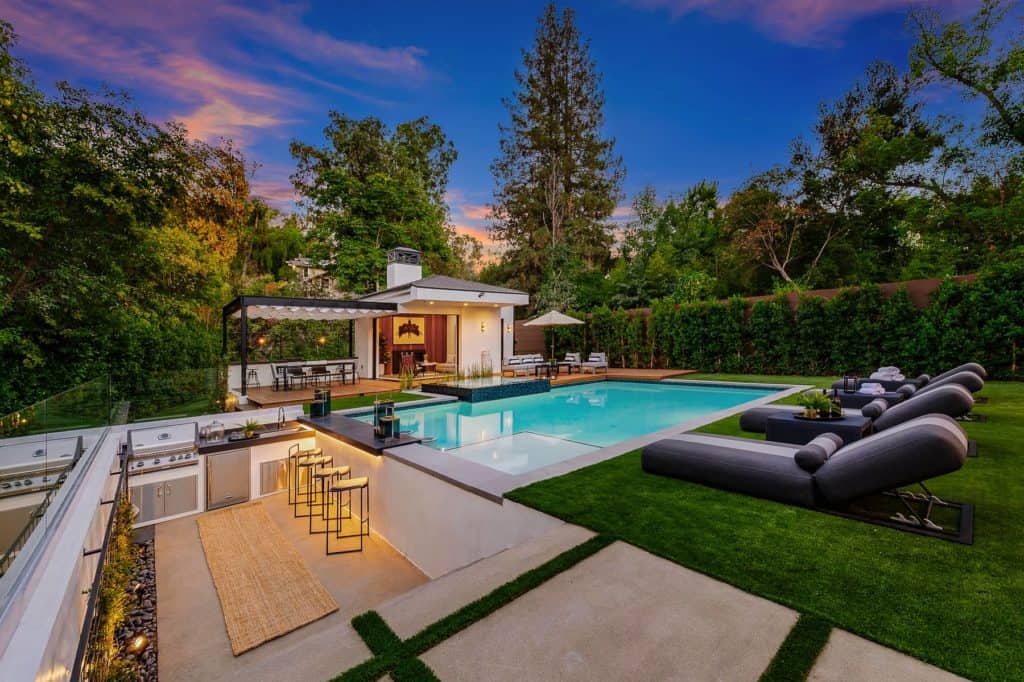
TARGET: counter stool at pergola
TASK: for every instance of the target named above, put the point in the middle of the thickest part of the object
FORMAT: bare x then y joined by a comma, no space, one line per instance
310,459
320,481
343,512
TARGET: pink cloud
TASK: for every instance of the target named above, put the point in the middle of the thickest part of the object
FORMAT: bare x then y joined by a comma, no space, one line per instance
276,192
189,56
800,22
476,211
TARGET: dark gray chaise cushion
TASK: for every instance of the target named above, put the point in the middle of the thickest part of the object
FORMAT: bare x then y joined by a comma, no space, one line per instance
952,400
755,420
966,367
969,380
875,409
917,450
746,466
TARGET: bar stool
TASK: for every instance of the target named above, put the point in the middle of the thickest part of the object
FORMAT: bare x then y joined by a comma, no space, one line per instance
252,378
340,488
310,460
322,476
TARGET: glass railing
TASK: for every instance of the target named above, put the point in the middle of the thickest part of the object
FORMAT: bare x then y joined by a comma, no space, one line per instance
41,444
175,394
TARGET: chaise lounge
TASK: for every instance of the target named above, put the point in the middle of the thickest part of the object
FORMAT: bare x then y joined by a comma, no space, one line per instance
595,362
924,380
952,400
828,476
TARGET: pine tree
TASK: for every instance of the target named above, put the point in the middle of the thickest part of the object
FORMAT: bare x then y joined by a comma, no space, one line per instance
557,178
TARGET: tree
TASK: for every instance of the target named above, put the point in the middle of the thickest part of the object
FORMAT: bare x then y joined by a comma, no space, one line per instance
765,224
965,54
371,189
557,178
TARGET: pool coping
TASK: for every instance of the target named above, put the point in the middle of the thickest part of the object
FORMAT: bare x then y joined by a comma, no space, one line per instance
492,484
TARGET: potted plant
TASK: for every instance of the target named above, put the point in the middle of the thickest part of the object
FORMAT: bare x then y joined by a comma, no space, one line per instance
817,405
250,428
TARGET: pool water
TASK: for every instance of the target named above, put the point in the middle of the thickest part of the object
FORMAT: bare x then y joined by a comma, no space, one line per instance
520,434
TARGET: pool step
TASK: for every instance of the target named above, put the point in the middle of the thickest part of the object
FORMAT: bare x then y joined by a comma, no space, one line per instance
409,613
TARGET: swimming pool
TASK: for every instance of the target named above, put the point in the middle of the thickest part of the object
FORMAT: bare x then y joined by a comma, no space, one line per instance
515,435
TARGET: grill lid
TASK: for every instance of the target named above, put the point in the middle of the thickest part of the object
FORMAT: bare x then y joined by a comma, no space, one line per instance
158,440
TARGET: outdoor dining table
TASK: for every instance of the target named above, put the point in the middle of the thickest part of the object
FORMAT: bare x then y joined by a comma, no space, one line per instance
347,369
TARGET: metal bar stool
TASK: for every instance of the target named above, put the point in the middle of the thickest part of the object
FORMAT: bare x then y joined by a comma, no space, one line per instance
322,476
252,378
309,460
340,489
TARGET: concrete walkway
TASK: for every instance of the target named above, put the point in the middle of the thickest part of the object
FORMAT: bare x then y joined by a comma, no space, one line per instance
193,642
625,614
621,614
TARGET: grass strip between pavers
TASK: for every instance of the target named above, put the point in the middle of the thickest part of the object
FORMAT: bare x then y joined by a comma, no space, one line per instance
413,670
795,658
378,635
392,655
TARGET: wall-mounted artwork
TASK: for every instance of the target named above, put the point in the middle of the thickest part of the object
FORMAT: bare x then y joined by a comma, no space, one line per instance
408,330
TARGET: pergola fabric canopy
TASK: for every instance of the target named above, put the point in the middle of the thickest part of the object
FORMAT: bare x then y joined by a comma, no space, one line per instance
278,312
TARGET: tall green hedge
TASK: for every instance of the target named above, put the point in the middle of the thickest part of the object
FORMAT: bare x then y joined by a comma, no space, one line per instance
856,331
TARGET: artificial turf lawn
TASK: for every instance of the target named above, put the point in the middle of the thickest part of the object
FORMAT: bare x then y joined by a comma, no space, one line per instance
956,606
349,402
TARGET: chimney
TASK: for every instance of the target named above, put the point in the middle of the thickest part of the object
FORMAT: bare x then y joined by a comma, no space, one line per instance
403,266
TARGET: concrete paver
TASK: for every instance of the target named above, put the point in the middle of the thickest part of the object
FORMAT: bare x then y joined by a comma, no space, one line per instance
620,614
849,658
413,611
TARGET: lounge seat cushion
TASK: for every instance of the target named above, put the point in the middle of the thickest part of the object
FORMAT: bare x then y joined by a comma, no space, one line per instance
972,381
916,450
966,367
743,465
951,400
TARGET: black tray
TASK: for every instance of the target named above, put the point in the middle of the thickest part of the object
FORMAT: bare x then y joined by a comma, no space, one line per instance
819,419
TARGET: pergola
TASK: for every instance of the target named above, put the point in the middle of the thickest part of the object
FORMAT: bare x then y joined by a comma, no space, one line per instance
285,308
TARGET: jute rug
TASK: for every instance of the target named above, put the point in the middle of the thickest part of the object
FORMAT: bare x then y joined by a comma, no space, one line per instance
265,588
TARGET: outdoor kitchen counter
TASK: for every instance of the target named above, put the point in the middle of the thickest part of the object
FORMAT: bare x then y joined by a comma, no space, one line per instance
354,432
293,432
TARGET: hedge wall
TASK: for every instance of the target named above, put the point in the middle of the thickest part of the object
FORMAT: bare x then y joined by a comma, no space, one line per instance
857,331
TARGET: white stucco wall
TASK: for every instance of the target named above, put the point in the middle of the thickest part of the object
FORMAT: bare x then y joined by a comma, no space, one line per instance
437,526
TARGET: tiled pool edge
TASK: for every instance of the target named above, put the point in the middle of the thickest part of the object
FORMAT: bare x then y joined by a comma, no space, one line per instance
492,484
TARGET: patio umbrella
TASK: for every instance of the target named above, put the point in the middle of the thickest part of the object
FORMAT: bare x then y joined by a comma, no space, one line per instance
552,319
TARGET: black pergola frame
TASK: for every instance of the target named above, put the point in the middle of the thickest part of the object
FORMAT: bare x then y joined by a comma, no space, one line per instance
241,304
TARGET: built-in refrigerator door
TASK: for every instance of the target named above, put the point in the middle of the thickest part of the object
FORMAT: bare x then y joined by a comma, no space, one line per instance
227,478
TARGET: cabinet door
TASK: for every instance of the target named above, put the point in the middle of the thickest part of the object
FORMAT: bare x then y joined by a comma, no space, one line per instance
149,498
180,495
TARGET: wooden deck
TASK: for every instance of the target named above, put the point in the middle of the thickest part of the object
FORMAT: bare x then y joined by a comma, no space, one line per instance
622,374
267,397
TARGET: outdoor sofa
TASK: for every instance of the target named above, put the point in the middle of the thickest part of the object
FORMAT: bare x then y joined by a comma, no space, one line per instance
522,364
595,362
826,475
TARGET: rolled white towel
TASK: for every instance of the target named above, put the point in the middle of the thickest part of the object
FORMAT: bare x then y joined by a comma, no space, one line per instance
891,369
871,389
883,376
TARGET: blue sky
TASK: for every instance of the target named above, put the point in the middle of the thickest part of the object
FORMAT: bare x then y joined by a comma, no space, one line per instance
696,89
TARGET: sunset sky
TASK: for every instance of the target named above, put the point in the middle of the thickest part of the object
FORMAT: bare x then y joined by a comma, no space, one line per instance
695,88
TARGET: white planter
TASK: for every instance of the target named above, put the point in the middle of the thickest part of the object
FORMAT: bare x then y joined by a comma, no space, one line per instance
380,370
